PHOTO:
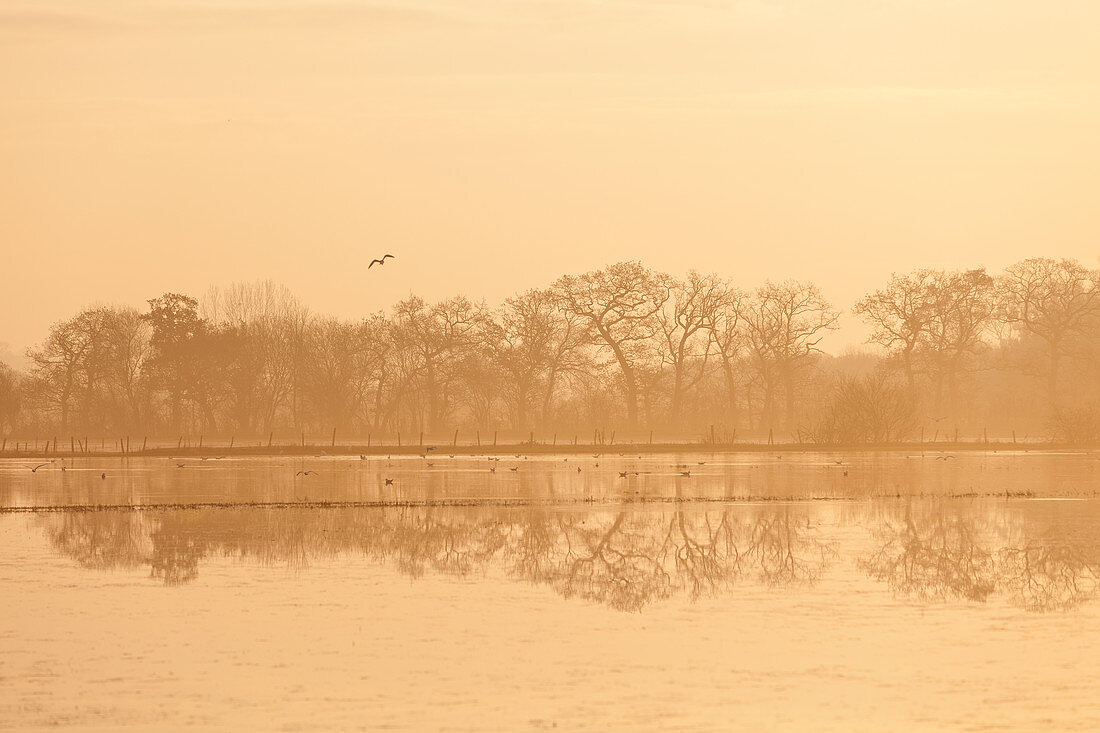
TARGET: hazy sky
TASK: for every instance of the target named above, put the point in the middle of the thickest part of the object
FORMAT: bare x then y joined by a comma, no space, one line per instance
492,145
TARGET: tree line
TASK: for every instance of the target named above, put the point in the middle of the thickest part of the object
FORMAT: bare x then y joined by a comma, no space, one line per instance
621,347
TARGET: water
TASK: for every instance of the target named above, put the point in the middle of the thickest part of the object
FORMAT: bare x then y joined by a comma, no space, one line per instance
887,591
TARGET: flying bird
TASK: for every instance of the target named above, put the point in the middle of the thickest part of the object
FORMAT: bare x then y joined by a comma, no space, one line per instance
306,473
379,262
389,481
34,469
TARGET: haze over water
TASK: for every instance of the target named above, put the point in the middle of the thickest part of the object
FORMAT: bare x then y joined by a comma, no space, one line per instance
814,590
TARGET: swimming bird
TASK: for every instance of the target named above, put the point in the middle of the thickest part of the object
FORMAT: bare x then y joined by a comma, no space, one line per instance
103,475
380,261
514,468
685,473
622,474
389,481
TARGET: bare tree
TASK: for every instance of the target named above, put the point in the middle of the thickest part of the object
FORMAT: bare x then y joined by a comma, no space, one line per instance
785,323
1050,299
900,315
693,303
619,303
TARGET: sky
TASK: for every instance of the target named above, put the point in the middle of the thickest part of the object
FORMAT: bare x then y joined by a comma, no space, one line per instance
493,145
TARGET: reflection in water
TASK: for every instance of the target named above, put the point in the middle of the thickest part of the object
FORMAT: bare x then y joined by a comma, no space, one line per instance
622,558
628,558
934,551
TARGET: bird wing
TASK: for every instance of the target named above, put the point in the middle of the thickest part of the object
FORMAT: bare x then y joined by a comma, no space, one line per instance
388,255
373,263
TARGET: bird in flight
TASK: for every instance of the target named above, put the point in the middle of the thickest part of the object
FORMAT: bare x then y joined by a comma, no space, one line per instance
34,469
938,419
306,473
381,261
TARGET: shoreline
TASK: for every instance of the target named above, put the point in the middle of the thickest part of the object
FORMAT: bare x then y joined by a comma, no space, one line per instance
215,451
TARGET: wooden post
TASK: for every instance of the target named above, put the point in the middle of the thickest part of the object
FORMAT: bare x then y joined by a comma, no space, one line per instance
936,436
269,437
770,436
1014,436
303,438
333,443
4,447
143,441
398,438
985,435
200,441
712,435
595,435
651,437
454,441
612,437
178,442
72,444
368,440
956,435
531,440
231,439
733,438
922,434
555,439
494,437
421,437
478,436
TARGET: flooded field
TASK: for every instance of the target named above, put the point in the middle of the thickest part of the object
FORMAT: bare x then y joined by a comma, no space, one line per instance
899,591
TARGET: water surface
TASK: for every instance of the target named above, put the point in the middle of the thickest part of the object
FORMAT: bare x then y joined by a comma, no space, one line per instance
813,591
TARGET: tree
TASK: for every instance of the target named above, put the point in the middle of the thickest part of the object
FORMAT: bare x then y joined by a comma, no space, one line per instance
10,399
174,364
962,308
785,323
900,315
726,322
619,303
1050,299
692,304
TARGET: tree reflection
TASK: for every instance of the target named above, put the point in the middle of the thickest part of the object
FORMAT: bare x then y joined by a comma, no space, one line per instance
946,553
625,559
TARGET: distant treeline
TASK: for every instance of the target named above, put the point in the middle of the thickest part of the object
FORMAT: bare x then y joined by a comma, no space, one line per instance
622,347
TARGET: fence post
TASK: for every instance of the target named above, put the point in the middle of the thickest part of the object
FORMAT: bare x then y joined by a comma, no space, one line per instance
454,441
478,436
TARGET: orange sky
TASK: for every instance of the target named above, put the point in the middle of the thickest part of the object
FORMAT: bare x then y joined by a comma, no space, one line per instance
494,144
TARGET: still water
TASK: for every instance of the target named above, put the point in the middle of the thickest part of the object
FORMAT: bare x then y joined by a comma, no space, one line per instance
807,591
